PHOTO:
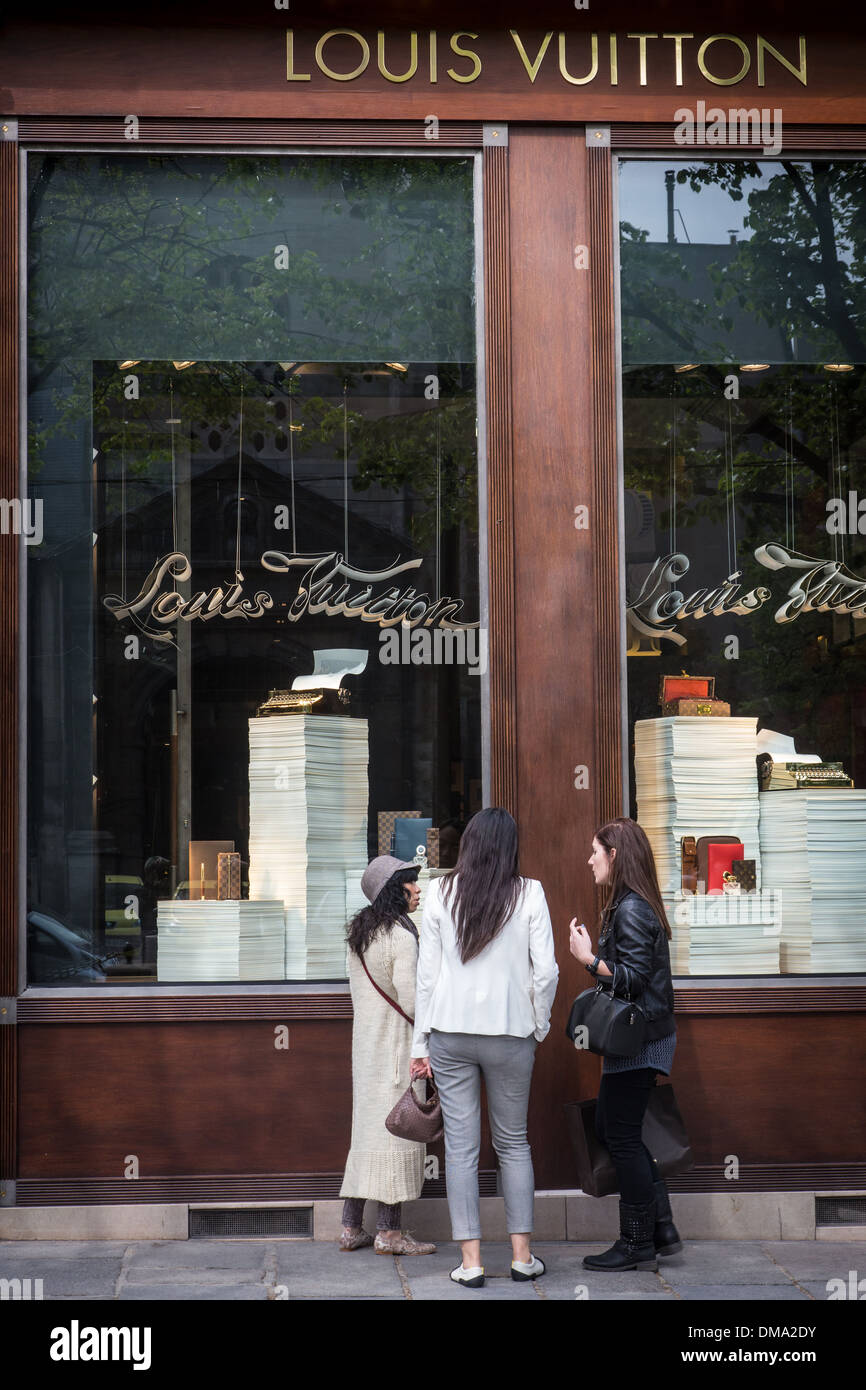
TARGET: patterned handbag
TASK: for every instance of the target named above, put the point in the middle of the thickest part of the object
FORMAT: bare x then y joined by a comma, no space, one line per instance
418,1120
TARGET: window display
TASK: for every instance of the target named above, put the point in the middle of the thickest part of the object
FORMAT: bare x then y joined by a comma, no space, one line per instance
245,610
743,292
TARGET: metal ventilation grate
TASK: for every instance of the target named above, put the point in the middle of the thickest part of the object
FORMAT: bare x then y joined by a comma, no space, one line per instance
840,1211
251,1221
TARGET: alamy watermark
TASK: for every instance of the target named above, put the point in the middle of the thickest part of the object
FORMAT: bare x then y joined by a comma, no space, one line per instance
20,1289
22,518
423,646
762,909
737,126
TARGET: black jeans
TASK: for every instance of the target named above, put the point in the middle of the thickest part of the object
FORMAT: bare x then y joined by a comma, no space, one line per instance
619,1112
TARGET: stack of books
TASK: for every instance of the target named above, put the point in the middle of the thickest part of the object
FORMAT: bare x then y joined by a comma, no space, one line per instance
696,776
816,846
308,828
214,941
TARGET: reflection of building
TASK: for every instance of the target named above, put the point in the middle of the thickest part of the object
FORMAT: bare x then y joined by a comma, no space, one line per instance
549,596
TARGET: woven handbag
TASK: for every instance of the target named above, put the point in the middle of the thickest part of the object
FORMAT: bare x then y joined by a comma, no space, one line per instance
418,1120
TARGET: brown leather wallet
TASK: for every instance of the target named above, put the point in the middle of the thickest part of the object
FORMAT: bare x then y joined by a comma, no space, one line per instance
689,864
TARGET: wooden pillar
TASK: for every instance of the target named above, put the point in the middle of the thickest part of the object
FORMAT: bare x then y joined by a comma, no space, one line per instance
9,659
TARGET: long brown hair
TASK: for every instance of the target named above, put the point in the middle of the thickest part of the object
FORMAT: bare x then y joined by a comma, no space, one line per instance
484,886
632,867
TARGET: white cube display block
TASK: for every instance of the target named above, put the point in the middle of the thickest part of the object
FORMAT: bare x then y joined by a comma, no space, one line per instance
215,941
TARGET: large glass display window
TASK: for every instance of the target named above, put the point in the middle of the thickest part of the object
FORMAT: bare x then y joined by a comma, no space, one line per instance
743,310
255,657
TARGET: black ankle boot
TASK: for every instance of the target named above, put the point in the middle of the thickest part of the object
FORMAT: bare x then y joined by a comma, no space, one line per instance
666,1237
635,1248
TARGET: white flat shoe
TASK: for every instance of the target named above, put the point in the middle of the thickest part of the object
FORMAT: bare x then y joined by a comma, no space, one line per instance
472,1278
521,1271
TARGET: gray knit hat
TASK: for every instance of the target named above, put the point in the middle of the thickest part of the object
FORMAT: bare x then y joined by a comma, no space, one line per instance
377,873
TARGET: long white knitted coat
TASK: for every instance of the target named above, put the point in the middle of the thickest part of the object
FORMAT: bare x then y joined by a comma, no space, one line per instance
380,1166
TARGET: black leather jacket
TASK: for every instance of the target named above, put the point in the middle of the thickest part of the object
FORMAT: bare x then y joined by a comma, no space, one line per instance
634,940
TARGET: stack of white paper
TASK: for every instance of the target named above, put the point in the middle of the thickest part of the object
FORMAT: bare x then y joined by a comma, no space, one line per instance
816,843
694,776
213,941
731,934
785,866
308,827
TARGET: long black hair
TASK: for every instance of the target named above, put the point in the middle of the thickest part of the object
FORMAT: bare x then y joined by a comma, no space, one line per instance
383,912
484,886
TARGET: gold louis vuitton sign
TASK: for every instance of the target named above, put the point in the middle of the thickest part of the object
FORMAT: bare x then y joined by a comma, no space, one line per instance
426,57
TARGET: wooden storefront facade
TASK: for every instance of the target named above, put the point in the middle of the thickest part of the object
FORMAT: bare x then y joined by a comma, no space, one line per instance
187,1079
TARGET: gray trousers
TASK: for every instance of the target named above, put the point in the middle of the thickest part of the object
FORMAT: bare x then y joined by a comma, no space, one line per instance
459,1060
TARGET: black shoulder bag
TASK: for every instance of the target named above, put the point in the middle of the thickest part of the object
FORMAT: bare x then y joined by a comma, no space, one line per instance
602,1022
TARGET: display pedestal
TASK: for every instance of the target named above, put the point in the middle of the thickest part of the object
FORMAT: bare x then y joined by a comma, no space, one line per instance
308,829
725,934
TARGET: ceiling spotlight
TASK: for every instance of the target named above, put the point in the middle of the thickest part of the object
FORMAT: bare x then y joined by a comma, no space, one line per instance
179,366
688,367
838,367
131,363
397,366
754,366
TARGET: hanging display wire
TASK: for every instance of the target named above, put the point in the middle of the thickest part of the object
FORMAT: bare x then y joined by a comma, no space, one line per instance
123,511
438,588
238,575
292,465
730,492
345,472
789,469
172,422
672,474
836,467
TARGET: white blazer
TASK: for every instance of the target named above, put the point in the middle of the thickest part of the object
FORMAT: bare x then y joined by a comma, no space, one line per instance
508,988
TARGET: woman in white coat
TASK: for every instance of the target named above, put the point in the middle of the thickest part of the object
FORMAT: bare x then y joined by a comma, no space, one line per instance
486,979
383,955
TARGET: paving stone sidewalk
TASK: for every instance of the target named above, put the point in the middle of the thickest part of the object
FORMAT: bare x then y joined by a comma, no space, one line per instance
177,1270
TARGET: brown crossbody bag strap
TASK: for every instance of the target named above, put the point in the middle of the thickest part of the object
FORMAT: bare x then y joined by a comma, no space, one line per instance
392,1002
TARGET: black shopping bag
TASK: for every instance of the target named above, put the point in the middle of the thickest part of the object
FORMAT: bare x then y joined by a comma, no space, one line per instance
663,1133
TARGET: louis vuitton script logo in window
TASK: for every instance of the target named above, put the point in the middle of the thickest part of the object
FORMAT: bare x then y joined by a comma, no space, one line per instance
328,585
822,586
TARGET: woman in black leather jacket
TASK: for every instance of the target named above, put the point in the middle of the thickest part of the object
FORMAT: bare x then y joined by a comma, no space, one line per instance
633,955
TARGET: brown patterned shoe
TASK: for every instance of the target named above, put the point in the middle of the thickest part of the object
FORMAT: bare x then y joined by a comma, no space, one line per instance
402,1244
354,1239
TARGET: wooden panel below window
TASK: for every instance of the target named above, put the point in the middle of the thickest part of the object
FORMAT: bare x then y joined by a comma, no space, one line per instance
195,1099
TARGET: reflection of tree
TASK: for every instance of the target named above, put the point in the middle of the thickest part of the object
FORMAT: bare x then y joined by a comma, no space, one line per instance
173,257
655,317
397,451
814,403
804,265
803,269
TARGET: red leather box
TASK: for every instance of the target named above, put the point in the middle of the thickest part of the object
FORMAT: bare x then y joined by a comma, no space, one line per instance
685,687
719,861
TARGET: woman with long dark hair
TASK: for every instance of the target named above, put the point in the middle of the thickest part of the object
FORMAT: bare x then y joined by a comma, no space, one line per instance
634,957
486,979
383,955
